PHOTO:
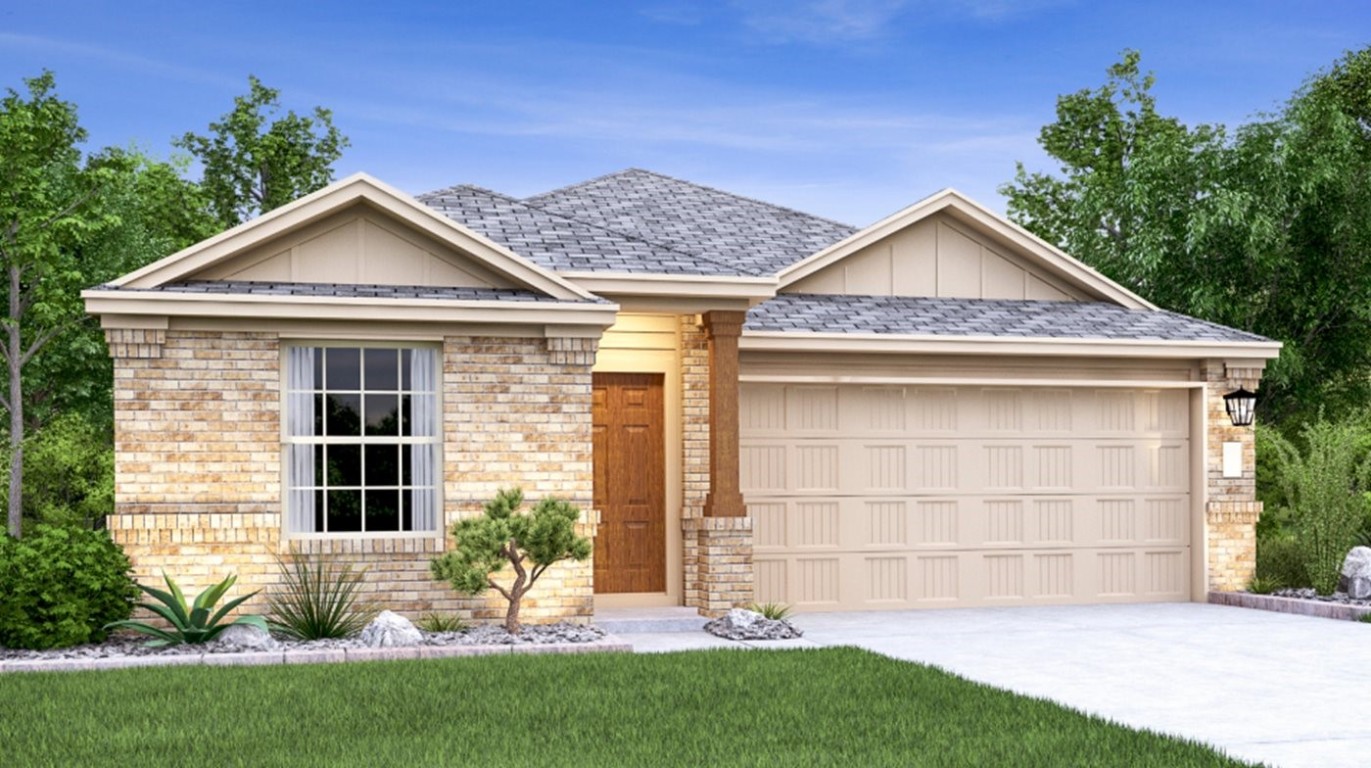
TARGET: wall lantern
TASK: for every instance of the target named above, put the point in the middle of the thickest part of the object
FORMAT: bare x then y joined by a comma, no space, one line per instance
1241,406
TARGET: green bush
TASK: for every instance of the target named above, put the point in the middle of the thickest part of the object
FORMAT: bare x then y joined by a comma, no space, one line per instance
61,586
1320,494
318,600
442,622
1280,560
68,474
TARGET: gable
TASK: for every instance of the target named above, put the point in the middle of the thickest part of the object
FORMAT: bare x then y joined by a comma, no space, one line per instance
358,245
356,231
947,246
938,257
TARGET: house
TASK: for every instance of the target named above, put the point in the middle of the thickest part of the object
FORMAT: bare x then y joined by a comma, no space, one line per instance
748,403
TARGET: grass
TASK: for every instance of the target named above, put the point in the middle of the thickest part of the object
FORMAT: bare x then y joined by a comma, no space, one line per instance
841,707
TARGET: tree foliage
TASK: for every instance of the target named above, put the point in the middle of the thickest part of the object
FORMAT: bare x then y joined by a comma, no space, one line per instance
251,166
68,222
527,542
1266,228
1320,494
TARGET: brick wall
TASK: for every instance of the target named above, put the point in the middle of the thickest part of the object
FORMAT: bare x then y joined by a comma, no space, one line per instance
198,473
695,450
1231,509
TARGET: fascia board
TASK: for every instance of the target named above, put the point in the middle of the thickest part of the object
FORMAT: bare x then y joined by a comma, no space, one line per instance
115,302
782,341
676,286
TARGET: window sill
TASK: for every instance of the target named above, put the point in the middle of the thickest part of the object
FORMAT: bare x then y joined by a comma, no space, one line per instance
363,543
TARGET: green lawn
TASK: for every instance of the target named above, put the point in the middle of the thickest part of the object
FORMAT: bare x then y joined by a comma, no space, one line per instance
783,708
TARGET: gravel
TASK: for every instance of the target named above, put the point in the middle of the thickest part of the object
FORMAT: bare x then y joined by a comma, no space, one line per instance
1309,594
135,645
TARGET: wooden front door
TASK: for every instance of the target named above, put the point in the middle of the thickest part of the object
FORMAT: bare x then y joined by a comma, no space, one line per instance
630,483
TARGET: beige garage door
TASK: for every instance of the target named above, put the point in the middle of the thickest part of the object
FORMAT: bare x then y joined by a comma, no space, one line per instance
887,497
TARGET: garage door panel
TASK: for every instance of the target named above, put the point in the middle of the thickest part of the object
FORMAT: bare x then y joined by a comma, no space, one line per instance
856,466
890,581
869,497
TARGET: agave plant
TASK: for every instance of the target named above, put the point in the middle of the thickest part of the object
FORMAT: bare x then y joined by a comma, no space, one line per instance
190,623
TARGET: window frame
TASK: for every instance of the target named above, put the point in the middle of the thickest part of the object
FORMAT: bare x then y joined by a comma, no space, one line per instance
437,440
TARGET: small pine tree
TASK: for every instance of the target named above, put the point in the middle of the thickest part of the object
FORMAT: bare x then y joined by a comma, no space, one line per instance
529,542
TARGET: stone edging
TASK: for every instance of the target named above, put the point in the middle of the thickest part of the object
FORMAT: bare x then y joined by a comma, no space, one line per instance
1293,605
608,643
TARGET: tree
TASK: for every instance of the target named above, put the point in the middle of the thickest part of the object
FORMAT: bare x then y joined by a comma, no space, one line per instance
65,225
1268,229
250,166
503,535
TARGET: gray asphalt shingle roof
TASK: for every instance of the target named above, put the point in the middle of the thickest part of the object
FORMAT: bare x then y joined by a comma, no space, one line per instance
757,238
563,244
812,313
343,290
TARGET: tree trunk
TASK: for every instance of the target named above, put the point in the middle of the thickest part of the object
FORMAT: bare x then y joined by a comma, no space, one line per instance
15,350
512,624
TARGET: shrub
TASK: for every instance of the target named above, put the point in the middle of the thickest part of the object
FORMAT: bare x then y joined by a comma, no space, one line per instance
1320,492
1260,586
69,473
483,545
191,623
61,586
438,622
1281,559
318,600
773,611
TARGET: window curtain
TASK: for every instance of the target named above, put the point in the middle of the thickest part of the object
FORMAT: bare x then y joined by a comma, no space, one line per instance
300,423
423,419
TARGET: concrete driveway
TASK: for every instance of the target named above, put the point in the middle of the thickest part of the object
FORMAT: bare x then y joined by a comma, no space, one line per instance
1284,690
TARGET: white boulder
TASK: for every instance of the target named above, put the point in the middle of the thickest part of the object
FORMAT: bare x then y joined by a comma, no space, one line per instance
389,630
1356,574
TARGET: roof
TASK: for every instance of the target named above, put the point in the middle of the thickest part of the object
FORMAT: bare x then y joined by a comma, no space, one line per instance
1001,318
348,291
714,227
560,243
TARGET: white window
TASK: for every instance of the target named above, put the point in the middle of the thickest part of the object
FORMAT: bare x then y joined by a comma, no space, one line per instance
362,436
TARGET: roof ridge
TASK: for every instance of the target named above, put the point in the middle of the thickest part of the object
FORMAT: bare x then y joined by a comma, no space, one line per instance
582,222
698,185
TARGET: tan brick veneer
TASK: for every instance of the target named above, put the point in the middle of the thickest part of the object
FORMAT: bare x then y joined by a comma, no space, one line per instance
718,550
198,474
1232,509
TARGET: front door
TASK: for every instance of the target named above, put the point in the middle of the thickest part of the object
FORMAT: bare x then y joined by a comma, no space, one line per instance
630,483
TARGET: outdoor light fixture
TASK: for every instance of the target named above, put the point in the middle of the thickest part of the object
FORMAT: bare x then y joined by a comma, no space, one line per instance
1240,405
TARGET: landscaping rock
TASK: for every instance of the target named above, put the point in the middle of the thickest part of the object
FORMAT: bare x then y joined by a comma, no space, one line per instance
742,624
390,630
241,637
1356,574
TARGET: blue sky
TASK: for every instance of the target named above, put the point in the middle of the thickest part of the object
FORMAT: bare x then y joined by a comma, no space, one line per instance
846,108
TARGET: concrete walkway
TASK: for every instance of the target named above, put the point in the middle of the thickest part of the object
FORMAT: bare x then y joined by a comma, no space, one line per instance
1284,690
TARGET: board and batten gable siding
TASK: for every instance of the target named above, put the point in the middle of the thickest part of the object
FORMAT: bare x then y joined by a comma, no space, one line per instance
357,245
937,256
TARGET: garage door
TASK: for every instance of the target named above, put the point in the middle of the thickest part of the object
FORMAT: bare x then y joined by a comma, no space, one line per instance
887,497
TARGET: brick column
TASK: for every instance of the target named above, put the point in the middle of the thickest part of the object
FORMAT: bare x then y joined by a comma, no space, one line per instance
718,556
1231,506
724,499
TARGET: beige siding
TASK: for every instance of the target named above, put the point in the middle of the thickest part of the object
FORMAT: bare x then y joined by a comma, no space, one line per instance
356,246
890,496
938,256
